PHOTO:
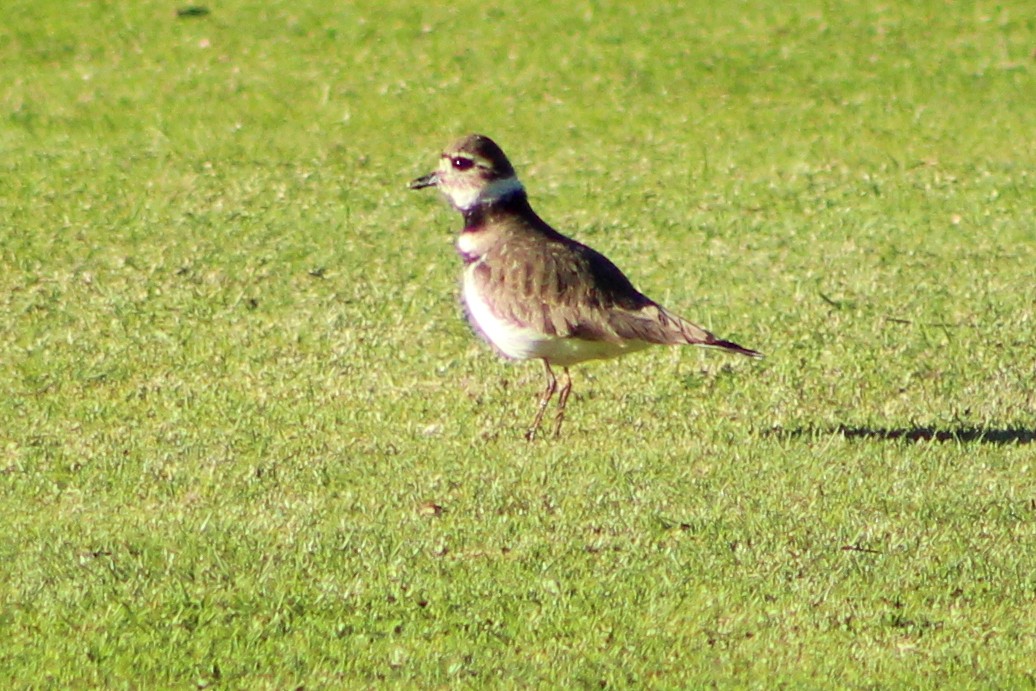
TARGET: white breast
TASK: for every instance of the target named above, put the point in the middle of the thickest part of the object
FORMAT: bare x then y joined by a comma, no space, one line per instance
469,245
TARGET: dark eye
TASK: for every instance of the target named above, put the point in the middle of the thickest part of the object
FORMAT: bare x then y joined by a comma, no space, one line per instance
461,163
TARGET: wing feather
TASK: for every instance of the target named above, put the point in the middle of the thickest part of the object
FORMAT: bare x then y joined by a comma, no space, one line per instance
564,288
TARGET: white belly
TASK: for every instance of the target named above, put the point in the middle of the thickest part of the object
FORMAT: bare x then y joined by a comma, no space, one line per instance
522,343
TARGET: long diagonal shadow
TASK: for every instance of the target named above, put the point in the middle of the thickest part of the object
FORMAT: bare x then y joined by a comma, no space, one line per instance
1002,436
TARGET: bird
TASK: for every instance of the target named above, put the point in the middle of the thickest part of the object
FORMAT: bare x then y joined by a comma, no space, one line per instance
534,293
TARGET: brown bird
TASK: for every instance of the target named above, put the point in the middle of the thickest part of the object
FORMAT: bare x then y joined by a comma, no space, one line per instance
534,293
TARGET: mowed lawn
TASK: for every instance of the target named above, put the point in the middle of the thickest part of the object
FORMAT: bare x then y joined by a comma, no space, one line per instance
248,441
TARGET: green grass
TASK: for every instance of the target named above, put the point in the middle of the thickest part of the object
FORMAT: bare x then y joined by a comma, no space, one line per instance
248,441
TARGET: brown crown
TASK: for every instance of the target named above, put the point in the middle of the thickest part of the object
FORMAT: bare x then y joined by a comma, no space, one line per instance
485,152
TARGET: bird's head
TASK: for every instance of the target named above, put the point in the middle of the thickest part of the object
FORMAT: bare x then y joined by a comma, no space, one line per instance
473,172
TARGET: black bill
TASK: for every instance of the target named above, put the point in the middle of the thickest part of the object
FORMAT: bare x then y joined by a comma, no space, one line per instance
430,180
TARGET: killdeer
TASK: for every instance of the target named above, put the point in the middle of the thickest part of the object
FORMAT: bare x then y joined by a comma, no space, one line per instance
534,293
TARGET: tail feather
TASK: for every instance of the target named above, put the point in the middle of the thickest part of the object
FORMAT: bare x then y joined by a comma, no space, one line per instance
695,335
653,323
732,347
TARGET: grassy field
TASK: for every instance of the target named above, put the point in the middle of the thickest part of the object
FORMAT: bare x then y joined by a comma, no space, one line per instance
248,441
